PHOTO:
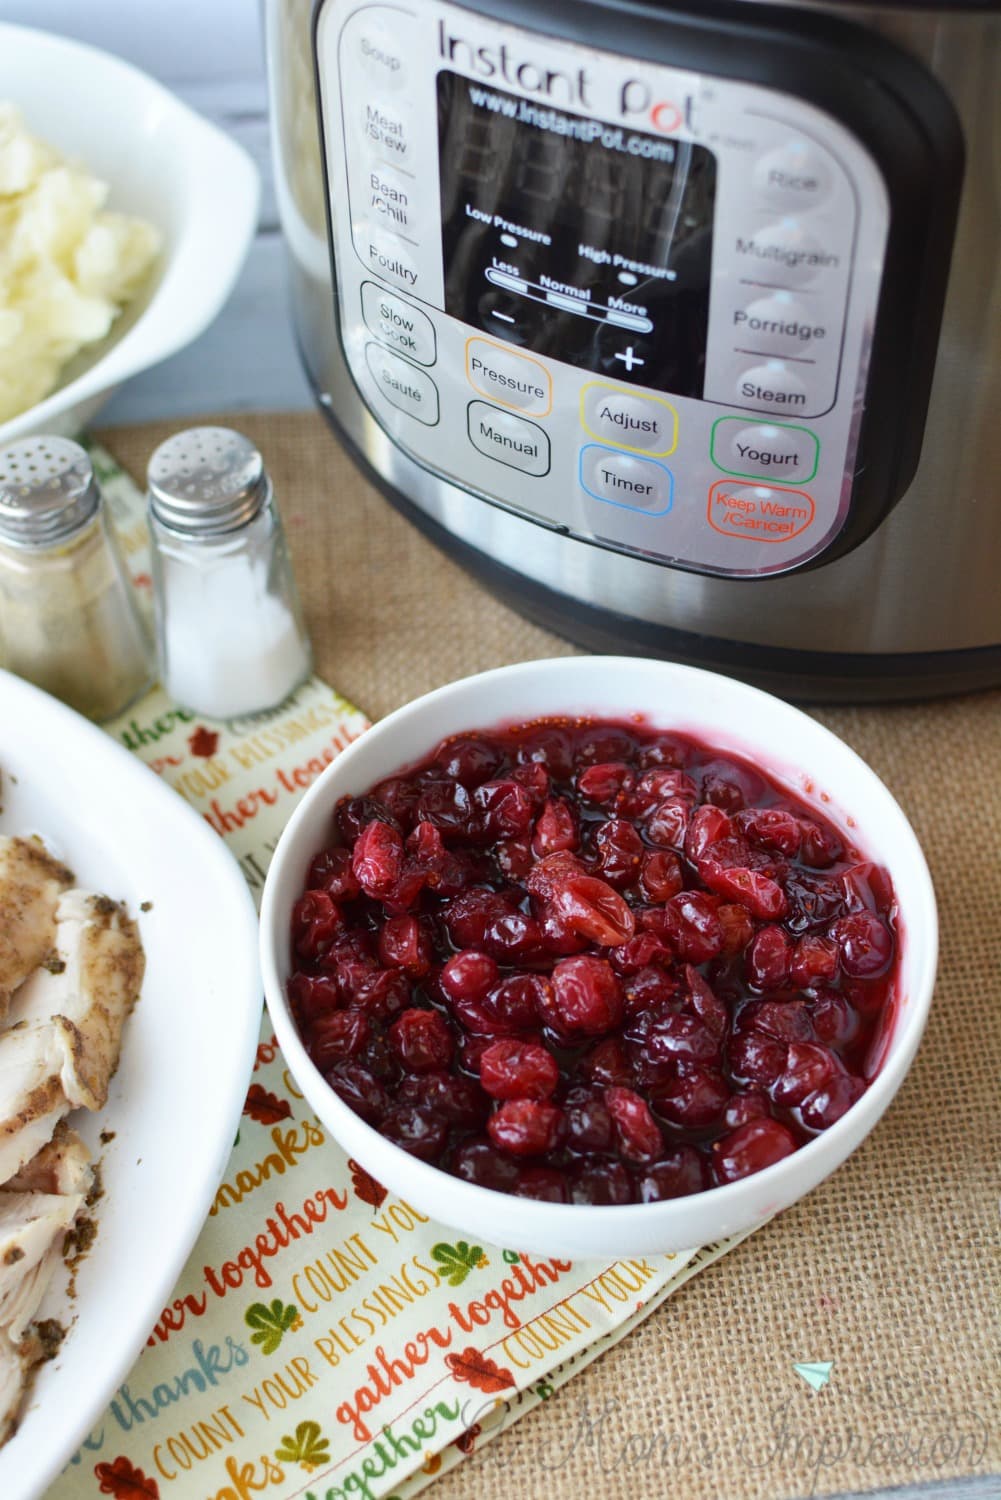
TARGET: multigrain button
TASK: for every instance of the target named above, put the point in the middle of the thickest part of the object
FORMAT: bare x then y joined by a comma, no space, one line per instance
764,450
388,131
403,384
626,480
795,175
388,256
509,439
508,378
396,323
771,386
786,255
779,324
640,423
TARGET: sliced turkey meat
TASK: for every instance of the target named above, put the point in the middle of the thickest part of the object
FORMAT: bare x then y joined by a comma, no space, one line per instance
31,882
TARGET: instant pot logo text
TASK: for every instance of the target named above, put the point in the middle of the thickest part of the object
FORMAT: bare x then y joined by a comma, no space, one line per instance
636,101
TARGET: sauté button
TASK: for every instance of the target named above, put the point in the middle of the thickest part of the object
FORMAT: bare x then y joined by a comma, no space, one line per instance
764,450
625,480
508,378
397,324
771,385
795,175
509,439
640,423
403,384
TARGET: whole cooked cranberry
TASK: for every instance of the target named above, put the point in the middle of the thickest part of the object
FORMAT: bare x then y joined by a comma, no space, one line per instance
867,886
469,975
415,1131
457,1100
695,1097
640,952
761,895
689,925
662,750
677,1174
730,786
787,1020
447,806
604,783
637,1134
834,1019
586,998
472,1046
601,1182
557,938
751,1148
476,1160
421,1040
820,847
809,1067
544,1184
589,1123
377,859
335,1037
353,813
649,991
738,929
601,743
331,872
745,1107
504,810
706,1004
477,1018
668,823
660,875
865,944
814,901
709,825
526,1127
660,784
771,828
606,1062
403,944
514,858
468,759
769,958
381,993
312,995
821,1109
316,922
754,1058
814,960
620,852
360,1089
511,1069
514,938
552,871
400,798
593,910
676,1038
535,779
520,1000
549,747
555,828
468,917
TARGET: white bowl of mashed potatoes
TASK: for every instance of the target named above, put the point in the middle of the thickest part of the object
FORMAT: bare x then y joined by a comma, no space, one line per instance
124,221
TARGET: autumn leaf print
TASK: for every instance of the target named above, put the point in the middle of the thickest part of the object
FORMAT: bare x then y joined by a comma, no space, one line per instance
265,1108
466,1441
271,1323
309,1448
458,1260
365,1186
123,1480
203,742
480,1371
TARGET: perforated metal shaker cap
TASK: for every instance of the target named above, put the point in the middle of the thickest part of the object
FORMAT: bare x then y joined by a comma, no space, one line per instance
206,480
47,491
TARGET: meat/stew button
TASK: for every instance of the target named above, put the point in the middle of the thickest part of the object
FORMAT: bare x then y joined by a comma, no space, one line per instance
507,378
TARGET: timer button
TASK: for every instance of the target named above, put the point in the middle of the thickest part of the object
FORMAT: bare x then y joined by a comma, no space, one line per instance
629,482
796,175
639,423
771,386
785,254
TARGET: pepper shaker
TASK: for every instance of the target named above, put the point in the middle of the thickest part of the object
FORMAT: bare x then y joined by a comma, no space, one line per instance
68,616
230,634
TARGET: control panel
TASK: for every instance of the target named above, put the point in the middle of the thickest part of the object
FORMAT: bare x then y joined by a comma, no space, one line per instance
627,301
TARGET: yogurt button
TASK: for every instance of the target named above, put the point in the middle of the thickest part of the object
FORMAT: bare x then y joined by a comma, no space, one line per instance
760,450
795,175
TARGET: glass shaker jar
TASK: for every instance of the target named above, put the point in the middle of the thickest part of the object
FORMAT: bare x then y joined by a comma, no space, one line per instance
68,616
230,635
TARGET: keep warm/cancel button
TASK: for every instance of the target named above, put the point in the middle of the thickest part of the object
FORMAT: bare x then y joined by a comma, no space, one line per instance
759,513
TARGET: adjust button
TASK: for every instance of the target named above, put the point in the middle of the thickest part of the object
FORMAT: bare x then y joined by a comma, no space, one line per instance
397,324
627,481
403,384
764,450
640,423
508,378
511,440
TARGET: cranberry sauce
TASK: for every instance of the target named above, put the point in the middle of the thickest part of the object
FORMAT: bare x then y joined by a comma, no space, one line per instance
590,962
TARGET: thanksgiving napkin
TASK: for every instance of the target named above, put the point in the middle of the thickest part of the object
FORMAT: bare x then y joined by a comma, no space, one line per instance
326,1338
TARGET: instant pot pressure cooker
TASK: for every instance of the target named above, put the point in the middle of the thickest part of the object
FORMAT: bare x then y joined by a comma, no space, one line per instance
677,323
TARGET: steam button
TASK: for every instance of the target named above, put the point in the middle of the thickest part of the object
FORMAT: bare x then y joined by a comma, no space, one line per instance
771,386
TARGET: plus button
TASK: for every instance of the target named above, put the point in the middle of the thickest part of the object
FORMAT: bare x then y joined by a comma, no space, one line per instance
630,358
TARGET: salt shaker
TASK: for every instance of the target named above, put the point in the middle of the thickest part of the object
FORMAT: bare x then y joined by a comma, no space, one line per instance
230,635
68,616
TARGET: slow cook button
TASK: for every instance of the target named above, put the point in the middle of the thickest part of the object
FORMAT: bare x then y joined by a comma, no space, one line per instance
778,324
508,378
758,513
764,450
509,439
629,421
627,481
771,385
403,384
795,175
397,324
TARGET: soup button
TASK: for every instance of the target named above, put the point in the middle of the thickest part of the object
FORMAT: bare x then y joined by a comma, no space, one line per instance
764,450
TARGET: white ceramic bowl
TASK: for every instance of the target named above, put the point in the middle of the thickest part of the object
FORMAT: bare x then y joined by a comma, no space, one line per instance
162,161
813,763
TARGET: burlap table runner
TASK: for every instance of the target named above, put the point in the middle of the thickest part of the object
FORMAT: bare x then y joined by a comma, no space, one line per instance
888,1271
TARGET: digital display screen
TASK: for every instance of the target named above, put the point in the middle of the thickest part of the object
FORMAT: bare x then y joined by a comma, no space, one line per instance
576,239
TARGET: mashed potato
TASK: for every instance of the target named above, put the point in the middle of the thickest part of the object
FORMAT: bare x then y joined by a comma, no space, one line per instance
67,267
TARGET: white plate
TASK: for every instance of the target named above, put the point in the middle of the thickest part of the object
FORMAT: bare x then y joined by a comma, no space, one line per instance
188,1049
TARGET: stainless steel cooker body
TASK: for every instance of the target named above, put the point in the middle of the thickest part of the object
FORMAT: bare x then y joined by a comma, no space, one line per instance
912,609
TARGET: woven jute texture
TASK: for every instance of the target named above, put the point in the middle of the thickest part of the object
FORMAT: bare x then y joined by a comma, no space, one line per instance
889,1269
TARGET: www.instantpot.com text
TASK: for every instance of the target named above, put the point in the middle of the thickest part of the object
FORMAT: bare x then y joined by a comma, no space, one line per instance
544,117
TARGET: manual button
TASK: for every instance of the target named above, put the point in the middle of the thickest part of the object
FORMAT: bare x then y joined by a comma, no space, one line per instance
639,423
621,479
402,384
509,439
